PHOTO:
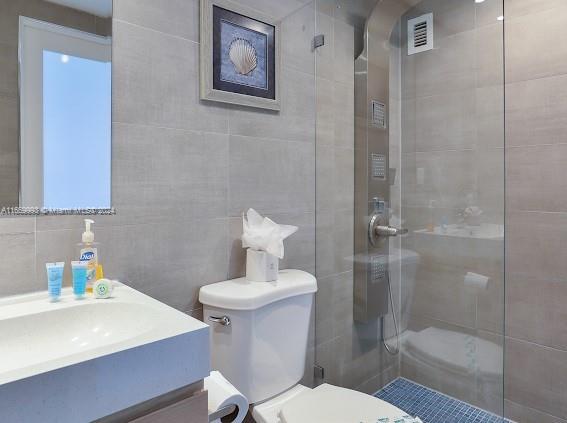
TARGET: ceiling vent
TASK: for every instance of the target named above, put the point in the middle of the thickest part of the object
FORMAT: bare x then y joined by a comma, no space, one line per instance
420,34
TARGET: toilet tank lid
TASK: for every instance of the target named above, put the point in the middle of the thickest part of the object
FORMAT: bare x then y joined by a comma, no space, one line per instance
240,294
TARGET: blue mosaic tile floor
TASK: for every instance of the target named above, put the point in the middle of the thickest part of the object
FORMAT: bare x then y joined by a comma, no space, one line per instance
431,406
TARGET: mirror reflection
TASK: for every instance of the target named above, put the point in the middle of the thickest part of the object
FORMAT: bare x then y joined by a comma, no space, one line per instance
55,104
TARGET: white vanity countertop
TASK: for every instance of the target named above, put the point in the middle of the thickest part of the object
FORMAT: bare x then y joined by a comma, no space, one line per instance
79,360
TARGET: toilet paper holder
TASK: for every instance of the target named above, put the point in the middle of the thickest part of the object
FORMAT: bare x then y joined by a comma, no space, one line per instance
222,412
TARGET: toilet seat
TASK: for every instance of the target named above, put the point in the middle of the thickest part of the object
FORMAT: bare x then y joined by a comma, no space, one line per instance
331,404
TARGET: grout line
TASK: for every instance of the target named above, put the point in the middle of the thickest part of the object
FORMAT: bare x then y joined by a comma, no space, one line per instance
196,131
546,413
510,210
171,220
154,30
525,341
536,78
172,128
537,145
34,273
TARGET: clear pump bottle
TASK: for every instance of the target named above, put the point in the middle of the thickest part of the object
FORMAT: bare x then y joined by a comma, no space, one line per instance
89,253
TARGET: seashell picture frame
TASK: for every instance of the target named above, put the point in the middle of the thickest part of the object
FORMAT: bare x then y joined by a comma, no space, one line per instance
239,56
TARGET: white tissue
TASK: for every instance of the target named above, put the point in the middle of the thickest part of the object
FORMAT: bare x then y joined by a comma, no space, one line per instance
223,394
263,234
475,280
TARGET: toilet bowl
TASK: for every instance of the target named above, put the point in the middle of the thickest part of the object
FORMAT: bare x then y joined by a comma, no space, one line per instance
258,336
325,403
453,362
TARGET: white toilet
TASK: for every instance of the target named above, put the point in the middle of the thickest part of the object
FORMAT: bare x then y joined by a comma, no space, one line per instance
259,334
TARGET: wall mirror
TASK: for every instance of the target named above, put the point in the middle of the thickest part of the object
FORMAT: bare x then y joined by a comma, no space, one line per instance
55,106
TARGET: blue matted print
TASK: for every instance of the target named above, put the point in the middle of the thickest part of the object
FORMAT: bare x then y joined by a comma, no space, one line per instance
258,77
244,55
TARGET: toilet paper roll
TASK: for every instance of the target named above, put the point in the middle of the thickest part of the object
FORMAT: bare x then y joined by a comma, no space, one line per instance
223,394
476,281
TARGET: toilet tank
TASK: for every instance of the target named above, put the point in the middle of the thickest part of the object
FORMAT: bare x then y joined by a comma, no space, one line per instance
262,351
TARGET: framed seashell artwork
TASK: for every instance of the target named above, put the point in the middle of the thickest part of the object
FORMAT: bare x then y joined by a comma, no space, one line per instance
239,56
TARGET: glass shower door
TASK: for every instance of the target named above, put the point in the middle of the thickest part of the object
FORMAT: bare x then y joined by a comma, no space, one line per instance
410,198
448,148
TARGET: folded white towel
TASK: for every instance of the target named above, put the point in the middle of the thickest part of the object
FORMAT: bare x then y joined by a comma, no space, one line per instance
401,419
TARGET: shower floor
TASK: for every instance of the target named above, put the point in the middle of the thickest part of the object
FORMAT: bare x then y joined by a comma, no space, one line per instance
432,406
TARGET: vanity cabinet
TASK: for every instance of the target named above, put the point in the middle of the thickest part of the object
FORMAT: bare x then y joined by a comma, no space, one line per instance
185,405
189,410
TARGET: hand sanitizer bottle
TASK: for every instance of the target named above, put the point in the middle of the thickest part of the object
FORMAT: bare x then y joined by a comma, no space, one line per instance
88,253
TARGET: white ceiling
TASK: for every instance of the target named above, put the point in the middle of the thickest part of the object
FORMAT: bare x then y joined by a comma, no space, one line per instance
102,8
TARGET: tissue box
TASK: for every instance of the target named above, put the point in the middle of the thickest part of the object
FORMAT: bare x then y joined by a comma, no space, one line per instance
261,266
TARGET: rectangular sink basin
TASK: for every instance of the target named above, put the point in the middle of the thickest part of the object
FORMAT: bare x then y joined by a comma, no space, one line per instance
487,231
93,357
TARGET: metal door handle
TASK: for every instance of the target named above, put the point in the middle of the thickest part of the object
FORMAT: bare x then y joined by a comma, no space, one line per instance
222,320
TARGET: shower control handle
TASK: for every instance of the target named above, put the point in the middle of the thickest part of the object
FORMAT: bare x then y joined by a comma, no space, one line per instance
389,231
379,228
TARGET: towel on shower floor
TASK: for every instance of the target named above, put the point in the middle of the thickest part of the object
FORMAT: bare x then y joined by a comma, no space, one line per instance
402,419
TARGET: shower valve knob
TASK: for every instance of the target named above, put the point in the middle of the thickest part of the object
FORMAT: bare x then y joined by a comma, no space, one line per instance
378,228
389,231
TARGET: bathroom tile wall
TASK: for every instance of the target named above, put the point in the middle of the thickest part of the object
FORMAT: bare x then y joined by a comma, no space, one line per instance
536,154
184,170
452,157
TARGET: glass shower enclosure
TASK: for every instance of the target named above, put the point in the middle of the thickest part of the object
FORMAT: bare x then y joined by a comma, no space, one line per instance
410,197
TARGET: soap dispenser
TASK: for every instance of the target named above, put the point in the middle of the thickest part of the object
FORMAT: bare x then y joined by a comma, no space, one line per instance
88,252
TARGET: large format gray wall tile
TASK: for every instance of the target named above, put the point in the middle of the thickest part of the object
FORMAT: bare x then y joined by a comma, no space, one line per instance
531,50
17,268
490,50
535,377
297,31
535,243
343,63
446,121
45,11
536,111
156,82
174,17
275,9
9,67
325,54
194,185
448,68
271,175
295,121
536,283
9,151
536,178
522,414
516,8
536,310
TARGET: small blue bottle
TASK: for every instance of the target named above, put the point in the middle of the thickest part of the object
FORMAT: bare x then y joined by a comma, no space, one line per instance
54,279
